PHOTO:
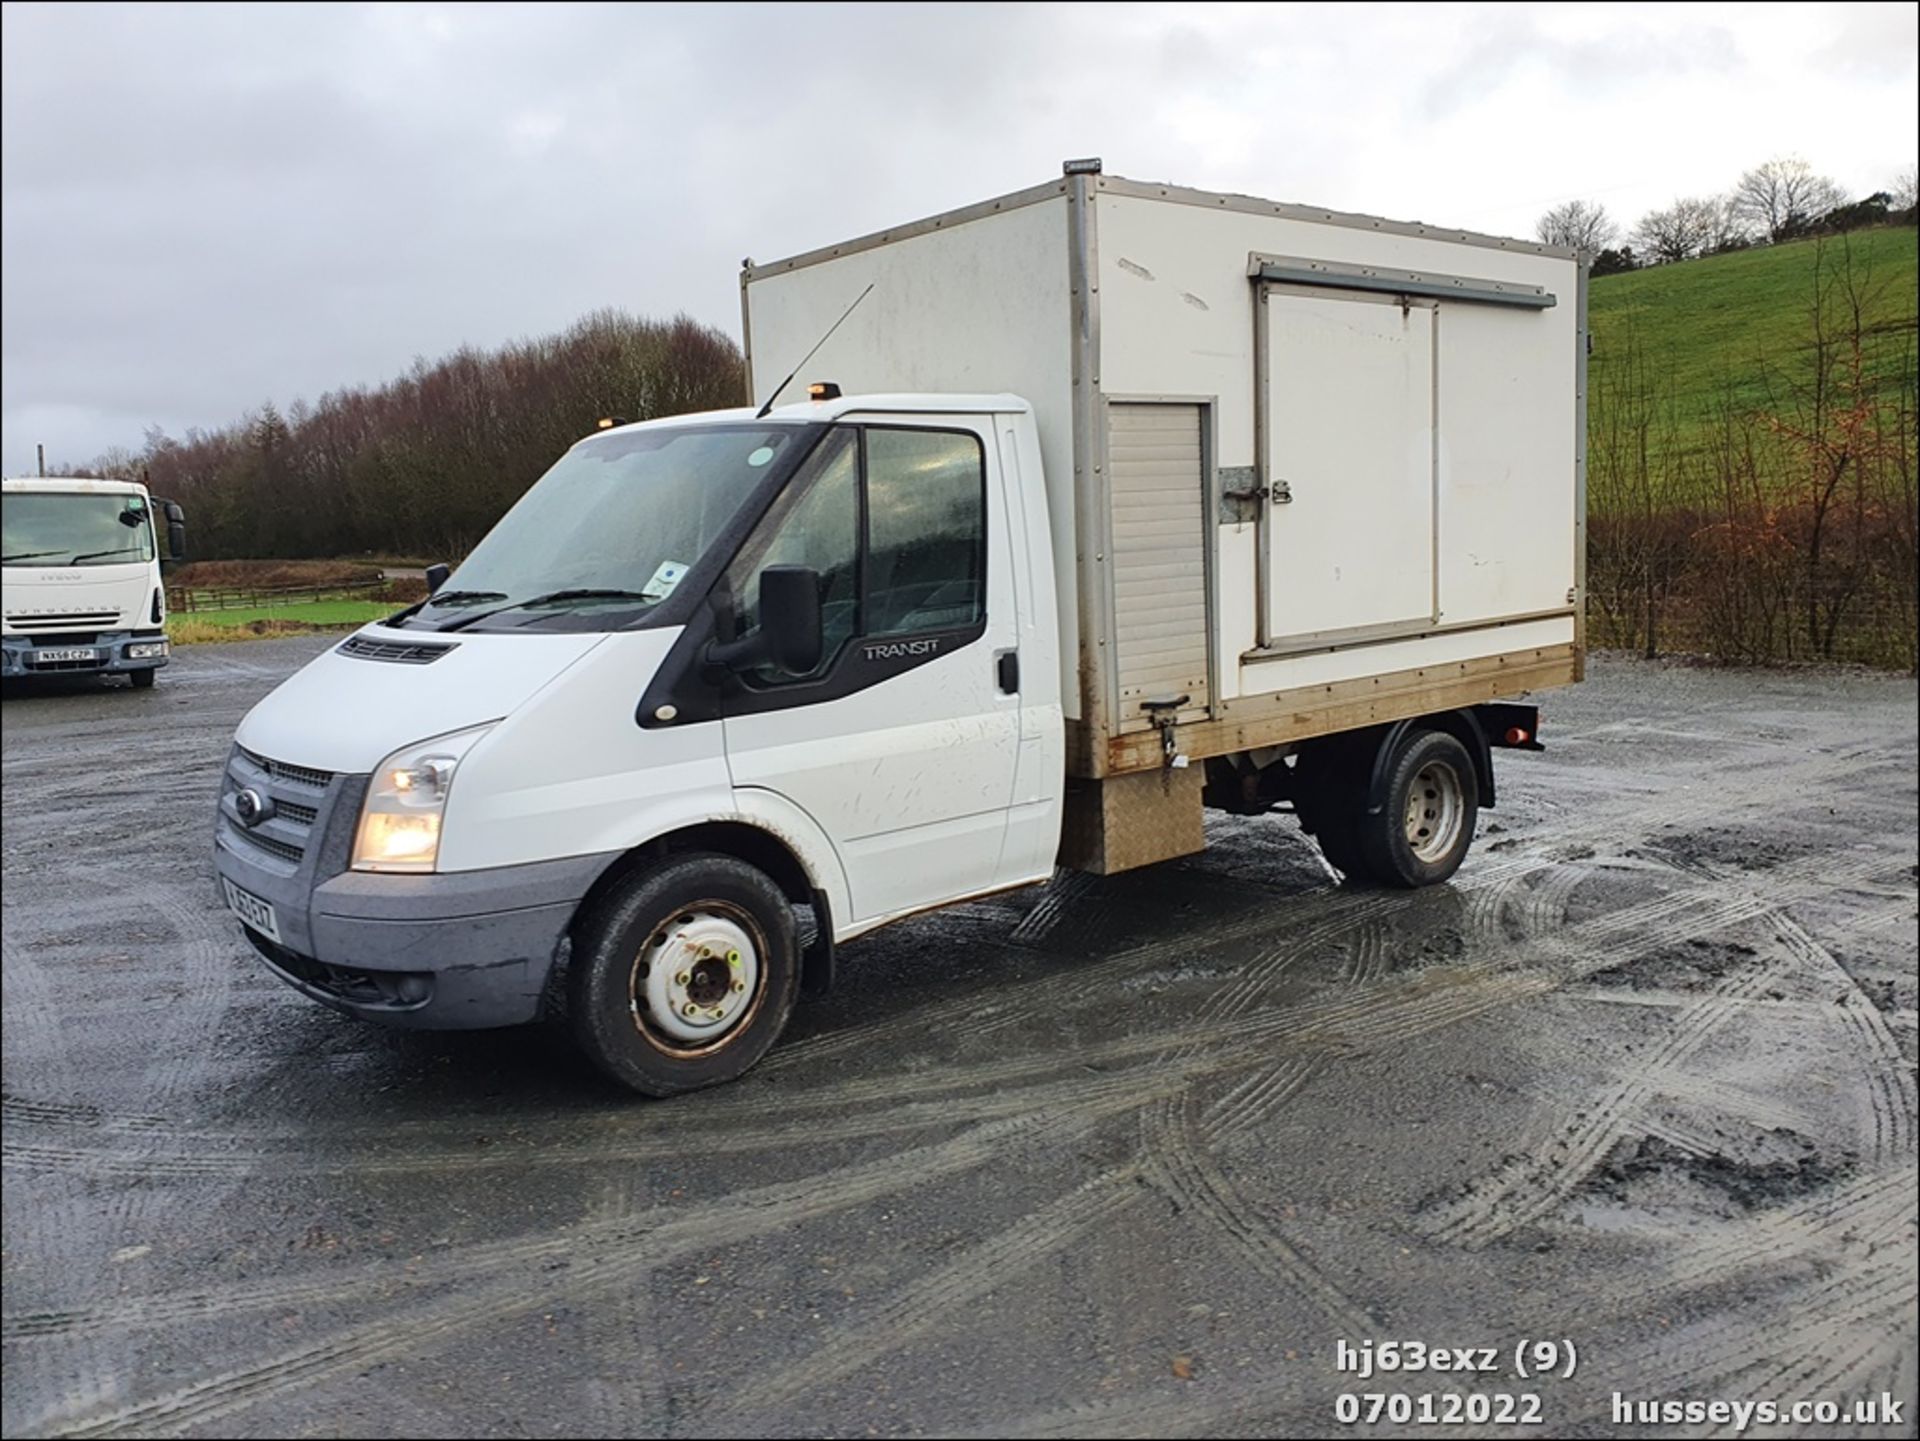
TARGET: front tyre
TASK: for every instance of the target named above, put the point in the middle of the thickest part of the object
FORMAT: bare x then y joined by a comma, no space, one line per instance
684,974
1422,833
142,679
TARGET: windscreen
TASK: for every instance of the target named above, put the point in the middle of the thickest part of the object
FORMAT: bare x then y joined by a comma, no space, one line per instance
41,528
616,524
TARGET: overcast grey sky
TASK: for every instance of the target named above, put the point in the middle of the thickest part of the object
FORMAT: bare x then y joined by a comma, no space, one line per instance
207,208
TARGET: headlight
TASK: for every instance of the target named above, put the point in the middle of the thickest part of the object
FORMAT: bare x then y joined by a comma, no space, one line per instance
400,821
146,650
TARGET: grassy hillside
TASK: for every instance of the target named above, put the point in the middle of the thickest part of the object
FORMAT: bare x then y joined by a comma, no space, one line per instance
1724,324
1751,454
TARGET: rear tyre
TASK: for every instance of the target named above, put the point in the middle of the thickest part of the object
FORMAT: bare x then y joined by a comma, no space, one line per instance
684,974
143,679
1432,803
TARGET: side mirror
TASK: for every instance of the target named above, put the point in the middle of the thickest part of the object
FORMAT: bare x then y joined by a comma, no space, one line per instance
437,577
176,519
790,616
790,632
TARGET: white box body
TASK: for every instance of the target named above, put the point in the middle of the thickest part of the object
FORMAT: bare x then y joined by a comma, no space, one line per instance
1406,402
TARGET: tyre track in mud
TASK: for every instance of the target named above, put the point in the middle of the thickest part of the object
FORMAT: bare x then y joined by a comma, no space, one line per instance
626,1390
1824,1325
56,1228
1003,1259
1521,1191
1889,1090
924,1303
1852,1221
1188,1412
597,1255
619,1249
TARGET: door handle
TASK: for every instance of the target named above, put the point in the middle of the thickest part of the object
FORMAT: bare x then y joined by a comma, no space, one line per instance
1007,668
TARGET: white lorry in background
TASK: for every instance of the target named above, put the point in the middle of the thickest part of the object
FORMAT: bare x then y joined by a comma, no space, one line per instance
1123,501
80,588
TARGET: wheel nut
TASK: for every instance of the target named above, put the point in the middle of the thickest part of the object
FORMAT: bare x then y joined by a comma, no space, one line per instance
733,958
739,986
683,978
715,1013
690,1010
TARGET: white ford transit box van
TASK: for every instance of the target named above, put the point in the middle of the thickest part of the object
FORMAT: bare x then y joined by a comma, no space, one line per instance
1123,500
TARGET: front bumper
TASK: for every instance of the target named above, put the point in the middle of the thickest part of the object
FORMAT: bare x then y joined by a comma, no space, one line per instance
460,951
21,655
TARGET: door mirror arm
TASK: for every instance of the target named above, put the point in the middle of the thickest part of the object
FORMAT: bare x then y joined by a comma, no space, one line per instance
789,633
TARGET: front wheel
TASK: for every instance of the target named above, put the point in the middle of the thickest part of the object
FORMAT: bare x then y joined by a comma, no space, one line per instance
142,679
1422,832
684,974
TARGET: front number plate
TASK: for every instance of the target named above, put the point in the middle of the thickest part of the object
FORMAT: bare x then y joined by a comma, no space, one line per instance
43,657
251,909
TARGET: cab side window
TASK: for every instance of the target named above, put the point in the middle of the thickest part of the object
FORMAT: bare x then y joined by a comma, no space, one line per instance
894,521
926,531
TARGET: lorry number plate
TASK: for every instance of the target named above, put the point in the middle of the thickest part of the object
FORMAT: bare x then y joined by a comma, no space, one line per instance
251,909
41,657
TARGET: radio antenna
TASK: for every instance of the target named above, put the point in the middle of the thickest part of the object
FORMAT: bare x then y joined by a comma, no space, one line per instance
761,414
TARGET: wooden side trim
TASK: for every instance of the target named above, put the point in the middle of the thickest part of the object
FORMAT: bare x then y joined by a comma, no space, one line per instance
1251,722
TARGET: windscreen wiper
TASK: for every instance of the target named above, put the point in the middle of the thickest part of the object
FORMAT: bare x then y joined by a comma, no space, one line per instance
117,550
552,597
462,597
29,555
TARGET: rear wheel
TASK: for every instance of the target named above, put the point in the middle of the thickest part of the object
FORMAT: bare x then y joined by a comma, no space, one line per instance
142,679
684,974
1423,831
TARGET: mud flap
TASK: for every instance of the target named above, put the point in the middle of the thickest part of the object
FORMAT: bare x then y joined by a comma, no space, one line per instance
817,960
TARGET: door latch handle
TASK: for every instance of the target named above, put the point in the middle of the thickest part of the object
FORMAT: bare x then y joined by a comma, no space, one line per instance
1007,669
1280,493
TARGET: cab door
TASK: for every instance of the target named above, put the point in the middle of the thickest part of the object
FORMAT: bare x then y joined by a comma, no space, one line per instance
902,744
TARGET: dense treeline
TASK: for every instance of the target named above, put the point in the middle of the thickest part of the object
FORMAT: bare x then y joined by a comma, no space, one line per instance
425,464
1785,527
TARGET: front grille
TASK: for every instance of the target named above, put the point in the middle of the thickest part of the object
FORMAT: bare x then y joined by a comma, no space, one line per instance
97,619
64,637
296,775
404,652
286,850
296,793
53,665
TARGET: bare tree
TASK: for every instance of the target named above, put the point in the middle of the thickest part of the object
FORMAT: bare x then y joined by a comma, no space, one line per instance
1580,225
1727,228
1785,196
1905,190
1682,230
